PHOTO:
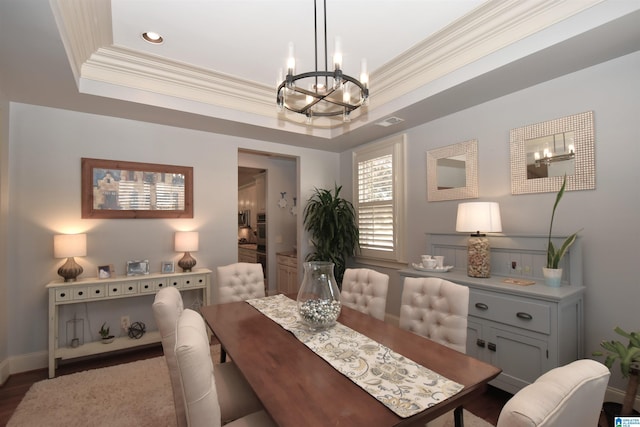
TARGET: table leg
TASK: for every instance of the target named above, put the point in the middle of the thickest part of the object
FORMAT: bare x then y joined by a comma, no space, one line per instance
457,417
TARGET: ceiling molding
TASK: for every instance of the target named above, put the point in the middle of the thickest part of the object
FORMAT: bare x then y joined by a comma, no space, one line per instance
84,26
487,29
86,32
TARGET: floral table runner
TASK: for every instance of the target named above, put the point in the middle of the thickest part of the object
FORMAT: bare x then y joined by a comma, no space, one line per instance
399,383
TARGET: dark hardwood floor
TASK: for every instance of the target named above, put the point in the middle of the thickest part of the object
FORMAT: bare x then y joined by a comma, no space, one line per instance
11,393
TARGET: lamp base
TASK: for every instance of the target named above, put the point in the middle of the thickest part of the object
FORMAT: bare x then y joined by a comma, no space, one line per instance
478,256
187,262
70,270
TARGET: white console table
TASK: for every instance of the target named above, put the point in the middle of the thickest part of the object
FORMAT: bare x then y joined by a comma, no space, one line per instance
94,290
524,330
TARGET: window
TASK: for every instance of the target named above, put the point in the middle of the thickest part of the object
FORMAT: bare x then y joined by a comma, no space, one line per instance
378,179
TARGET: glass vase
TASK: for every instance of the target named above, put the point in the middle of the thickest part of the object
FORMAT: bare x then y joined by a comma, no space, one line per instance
319,296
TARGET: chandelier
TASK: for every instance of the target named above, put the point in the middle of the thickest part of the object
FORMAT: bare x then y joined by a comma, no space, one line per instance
311,94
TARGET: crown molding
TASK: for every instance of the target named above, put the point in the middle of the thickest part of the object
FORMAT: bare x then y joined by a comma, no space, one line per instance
85,28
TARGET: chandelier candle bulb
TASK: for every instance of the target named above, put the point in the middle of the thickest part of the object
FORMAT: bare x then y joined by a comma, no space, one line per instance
337,54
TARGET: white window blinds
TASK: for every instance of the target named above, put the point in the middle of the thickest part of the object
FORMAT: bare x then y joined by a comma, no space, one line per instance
375,203
379,185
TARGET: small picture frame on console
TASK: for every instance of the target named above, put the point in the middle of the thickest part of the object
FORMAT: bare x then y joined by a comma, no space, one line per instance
167,267
137,267
105,271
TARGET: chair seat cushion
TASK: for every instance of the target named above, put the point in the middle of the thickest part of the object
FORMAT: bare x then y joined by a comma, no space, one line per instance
235,396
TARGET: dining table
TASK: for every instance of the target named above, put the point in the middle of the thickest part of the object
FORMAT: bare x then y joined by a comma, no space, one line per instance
299,388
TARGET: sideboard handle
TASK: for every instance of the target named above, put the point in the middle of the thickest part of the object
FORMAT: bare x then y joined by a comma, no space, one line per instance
480,343
482,306
523,315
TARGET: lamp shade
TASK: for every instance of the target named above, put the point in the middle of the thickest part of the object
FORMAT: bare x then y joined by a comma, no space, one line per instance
186,241
69,245
479,217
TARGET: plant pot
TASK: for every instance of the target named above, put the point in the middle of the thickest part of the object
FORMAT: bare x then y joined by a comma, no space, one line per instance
108,340
552,276
611,410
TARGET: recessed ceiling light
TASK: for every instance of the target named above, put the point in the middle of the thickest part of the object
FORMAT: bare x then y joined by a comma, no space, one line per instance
152,37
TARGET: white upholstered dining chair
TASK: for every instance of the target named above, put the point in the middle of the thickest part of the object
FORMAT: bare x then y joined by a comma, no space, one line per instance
239,282
570,395
365,290
437,309
198,379
236,398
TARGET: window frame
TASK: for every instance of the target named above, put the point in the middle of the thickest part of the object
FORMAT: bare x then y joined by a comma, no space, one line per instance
396,146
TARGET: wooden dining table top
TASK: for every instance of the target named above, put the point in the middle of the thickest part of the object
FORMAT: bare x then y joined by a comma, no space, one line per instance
299,388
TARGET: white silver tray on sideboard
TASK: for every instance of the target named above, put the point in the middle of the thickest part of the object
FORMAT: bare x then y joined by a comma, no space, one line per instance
444,269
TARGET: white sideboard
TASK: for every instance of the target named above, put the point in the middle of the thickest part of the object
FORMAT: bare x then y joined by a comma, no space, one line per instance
524,330
94,290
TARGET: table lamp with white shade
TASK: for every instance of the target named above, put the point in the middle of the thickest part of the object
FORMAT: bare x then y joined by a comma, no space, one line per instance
186,241
69,246
478,218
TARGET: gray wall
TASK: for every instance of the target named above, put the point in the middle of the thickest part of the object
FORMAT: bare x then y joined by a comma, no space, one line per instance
46,146
608,214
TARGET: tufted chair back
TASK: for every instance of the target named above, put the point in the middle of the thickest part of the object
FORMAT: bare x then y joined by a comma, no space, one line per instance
167,308
196,371
239,282
365,290
570,395
437,309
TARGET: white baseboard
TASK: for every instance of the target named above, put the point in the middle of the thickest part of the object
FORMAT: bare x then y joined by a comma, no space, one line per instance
4,371
28,362
616,395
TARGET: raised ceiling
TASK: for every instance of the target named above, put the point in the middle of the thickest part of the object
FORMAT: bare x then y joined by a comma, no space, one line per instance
217,69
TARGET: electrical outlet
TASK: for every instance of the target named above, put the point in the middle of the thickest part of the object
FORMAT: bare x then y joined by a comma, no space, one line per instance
125,323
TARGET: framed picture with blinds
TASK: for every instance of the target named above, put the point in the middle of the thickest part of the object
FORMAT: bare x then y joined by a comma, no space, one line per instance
121,189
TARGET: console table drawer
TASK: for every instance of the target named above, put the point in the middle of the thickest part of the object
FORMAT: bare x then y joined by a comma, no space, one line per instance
192,282
97,291
511,310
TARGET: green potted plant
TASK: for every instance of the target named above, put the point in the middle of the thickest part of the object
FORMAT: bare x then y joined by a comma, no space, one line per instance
331,222
552,272
629,357
104,333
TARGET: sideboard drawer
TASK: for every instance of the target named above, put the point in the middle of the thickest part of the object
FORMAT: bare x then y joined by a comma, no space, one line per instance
527,314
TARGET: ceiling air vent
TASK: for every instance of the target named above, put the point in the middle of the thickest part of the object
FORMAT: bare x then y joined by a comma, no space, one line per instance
390,121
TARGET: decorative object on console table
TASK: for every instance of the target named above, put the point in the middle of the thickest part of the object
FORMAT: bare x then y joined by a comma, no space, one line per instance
552,273
186,241
167,267
69,246
107,338
477,217
137,267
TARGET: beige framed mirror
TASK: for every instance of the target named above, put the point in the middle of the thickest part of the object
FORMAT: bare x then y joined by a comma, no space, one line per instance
452,172
542,153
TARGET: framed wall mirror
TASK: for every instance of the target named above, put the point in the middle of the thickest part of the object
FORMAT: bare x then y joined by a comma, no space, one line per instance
119,189
452,172
543,153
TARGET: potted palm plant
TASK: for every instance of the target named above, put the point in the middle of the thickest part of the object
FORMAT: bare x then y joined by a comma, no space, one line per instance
331,222
629,357
552,273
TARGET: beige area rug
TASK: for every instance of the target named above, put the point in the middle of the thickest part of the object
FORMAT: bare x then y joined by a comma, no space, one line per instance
131,394
136,394
470,420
